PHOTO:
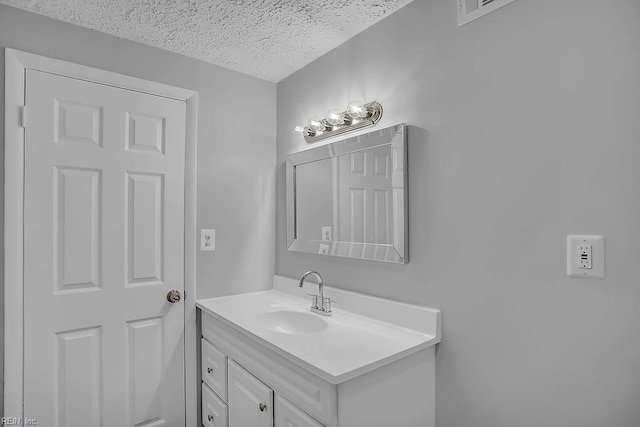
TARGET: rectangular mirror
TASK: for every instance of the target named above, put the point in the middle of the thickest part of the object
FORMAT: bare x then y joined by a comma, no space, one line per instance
349,198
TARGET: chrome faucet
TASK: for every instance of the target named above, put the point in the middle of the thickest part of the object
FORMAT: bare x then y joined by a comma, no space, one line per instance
319,304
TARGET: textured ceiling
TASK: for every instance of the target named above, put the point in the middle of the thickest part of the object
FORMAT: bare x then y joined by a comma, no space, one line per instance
269,39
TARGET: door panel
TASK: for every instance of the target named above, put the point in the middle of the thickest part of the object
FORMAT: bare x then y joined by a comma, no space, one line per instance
145,132
104,233
144,228
75,122
144,369
77,218
79,377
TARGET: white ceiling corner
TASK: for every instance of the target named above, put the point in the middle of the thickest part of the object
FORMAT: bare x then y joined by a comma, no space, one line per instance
269,39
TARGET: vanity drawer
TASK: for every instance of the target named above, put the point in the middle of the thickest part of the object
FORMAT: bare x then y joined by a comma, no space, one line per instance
214,369
214,410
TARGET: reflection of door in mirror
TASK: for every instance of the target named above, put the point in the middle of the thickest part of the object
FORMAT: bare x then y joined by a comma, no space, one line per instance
365,198
369,194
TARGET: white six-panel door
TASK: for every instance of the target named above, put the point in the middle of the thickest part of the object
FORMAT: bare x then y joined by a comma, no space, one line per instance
104,244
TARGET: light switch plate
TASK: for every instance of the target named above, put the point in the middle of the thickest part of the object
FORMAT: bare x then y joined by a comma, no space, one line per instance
326,233
585,256
207,239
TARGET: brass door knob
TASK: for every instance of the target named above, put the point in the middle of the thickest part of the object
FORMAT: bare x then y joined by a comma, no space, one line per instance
262,407
173,296
209,370
210,417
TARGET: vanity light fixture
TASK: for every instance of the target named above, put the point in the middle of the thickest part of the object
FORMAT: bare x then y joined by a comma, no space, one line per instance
335,117
315,124
357,116
356,110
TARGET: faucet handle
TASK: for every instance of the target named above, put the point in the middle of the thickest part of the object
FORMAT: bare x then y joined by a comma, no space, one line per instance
314,300
326,304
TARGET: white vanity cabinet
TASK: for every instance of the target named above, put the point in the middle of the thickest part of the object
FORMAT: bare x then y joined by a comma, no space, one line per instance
265,389
270,361
235,397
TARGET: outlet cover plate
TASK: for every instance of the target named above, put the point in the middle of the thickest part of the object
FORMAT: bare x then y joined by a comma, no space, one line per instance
574,268
327,232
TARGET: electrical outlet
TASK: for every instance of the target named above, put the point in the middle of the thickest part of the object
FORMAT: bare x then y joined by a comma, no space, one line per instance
585,256
207,239
323,250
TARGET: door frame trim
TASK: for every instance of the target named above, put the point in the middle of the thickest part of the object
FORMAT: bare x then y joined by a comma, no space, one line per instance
16,64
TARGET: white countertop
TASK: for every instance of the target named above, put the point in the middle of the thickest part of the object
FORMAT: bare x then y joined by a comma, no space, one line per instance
347,346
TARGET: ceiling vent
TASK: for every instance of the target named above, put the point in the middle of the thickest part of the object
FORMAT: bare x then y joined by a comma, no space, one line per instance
468,10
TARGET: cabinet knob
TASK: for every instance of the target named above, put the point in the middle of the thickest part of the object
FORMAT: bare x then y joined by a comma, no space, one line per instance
209,370
262,407
210,417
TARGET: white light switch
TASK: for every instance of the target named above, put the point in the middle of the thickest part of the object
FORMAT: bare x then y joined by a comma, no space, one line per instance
585,256
207,239
326,233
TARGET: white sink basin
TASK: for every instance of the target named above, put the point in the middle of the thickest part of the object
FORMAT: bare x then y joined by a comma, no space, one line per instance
291,322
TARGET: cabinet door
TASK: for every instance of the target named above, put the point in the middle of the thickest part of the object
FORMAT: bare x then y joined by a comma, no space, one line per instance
250,401
289,415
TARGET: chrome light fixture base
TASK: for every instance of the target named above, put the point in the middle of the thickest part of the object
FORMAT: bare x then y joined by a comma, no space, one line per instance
372,115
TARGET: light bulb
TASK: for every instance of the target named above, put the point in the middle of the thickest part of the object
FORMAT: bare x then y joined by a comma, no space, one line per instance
298,129
315,124
356,110
335,117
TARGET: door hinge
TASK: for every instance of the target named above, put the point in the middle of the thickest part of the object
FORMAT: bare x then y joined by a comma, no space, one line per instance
23,116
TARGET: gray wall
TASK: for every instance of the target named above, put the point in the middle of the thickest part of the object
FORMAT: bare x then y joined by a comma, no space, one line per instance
524,127
314,184
236,140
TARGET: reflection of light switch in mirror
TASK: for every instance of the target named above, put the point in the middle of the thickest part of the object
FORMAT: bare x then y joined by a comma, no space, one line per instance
324,250
326,233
